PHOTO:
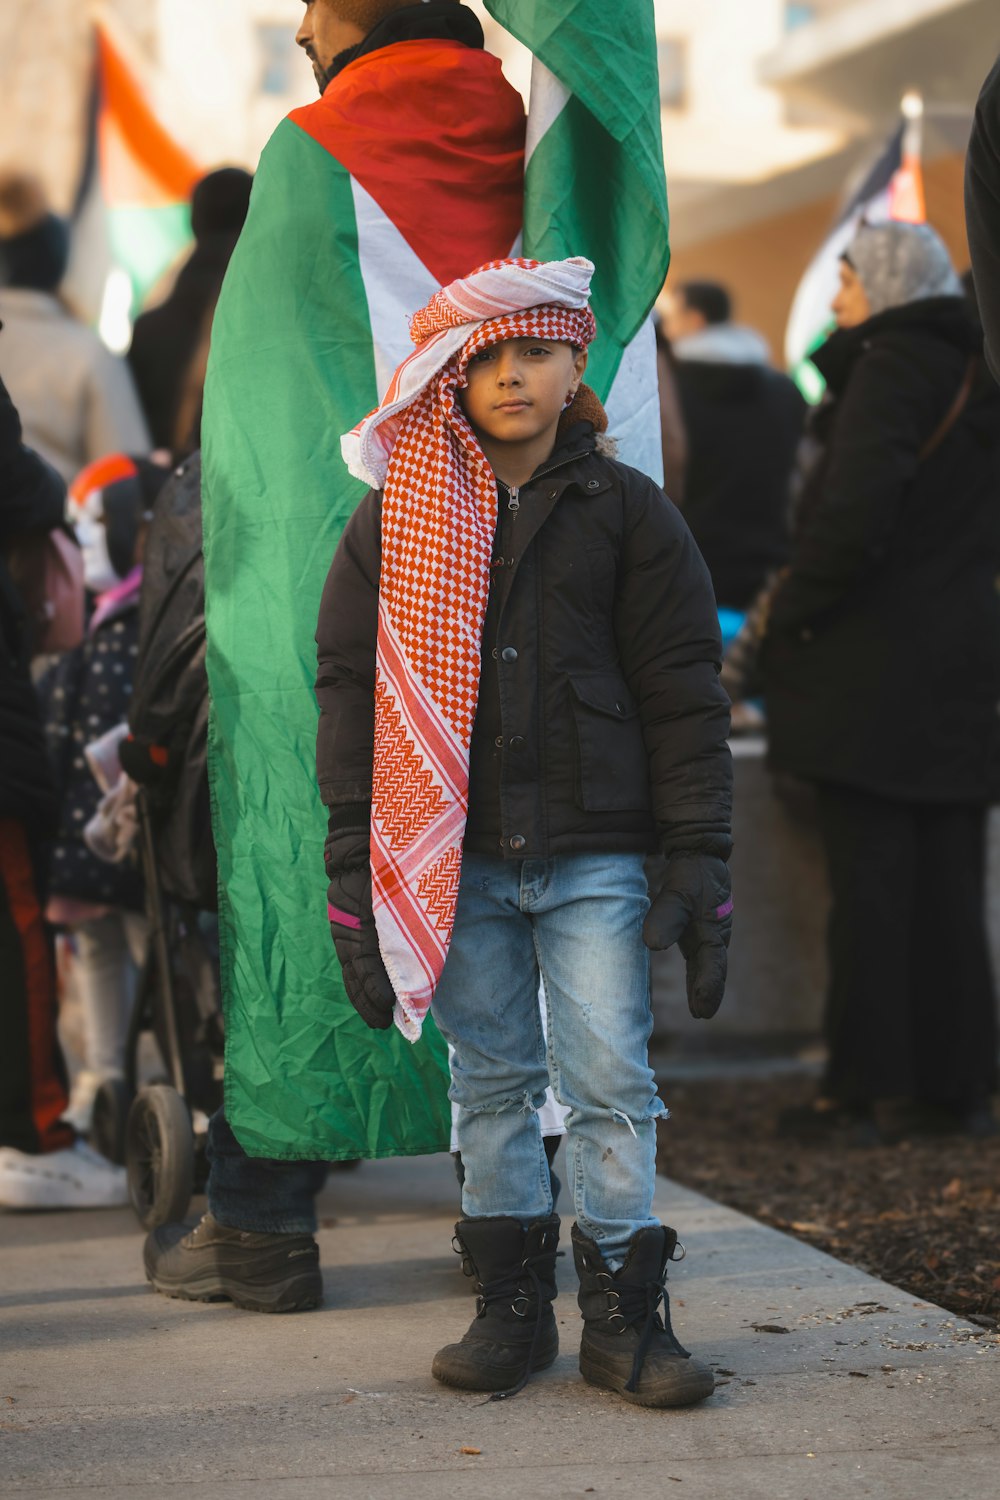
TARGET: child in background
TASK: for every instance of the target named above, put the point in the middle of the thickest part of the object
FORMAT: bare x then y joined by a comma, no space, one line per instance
519,700
85,695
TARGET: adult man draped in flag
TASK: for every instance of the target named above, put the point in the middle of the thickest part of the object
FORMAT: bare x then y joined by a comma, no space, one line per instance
407,171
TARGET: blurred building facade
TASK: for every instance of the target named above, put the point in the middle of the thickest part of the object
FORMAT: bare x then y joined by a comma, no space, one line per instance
832,73
768,106
220,74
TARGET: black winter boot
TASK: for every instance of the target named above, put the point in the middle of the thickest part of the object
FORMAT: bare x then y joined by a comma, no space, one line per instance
514,1331
628,1344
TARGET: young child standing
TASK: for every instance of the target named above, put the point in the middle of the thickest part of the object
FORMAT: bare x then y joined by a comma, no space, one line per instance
519,700
87,693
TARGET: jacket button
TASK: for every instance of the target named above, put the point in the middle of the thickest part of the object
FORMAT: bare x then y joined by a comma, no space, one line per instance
517,841
508,654
593,484
499,742
517,742
494,653
620,707
553,494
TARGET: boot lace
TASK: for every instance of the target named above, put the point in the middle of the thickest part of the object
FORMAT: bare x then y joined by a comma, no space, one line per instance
642,1304
520,1289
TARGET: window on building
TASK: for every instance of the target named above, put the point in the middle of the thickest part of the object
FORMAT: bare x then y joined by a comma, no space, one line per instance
672,59
798,15
277,58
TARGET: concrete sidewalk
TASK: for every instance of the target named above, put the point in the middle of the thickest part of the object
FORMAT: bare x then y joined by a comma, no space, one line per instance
831,1384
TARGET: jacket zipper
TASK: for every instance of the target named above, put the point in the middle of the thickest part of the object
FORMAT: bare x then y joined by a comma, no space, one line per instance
514,491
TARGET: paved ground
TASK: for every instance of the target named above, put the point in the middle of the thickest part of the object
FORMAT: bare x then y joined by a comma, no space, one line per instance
108,1390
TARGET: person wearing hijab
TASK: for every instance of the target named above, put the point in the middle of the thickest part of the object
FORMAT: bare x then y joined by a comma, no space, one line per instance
881,666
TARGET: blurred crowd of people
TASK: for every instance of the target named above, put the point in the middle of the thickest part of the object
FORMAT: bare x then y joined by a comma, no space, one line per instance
89,440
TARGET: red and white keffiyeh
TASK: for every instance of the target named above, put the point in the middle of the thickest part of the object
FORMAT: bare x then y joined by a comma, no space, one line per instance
439,511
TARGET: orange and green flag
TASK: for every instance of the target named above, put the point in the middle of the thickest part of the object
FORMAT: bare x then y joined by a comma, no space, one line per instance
133,202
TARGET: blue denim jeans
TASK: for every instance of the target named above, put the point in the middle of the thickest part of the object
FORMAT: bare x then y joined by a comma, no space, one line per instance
575,920
257,1193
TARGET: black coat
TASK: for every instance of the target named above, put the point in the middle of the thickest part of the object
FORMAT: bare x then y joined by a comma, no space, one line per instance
982,211
32,500
165,338
601,723
743,423
882,660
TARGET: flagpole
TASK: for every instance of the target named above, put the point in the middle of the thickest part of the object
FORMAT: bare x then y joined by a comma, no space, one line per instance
907,203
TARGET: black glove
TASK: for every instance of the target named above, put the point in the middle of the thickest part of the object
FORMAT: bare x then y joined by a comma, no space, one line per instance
352,922
694,908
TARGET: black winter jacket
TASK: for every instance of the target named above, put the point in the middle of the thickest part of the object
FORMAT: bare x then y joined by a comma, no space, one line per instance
743,422
982,211
601,724
32,500
882,660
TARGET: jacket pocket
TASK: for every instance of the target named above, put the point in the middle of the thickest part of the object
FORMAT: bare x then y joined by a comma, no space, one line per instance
612,768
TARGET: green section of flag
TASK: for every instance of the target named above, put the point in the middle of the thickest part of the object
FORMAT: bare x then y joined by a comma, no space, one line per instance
595,184
291,368
805,374
146,242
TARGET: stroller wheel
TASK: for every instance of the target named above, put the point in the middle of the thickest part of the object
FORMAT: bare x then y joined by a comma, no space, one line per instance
159,1155
110,1118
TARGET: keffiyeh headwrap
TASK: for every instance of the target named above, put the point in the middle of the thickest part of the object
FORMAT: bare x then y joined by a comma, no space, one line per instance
439,511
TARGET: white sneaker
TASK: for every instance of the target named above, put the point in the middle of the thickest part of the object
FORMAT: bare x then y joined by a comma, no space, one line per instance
76,1177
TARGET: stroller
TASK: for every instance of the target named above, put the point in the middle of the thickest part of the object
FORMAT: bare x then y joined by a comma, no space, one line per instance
159,1129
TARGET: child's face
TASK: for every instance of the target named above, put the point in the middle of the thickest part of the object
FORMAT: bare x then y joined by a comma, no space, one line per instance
517,389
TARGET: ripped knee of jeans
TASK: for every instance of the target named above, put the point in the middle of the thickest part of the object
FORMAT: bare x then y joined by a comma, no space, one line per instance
658,1111
525,1102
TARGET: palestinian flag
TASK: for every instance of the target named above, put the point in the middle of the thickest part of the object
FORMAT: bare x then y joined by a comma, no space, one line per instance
132,209
594,186
407,173
891,188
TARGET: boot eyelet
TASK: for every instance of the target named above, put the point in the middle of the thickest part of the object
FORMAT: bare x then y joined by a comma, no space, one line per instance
674,1253
616,1304
521,1312
480,1306
621,1318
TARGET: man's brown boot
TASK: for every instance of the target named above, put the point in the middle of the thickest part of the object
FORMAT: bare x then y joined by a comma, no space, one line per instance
261,1272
